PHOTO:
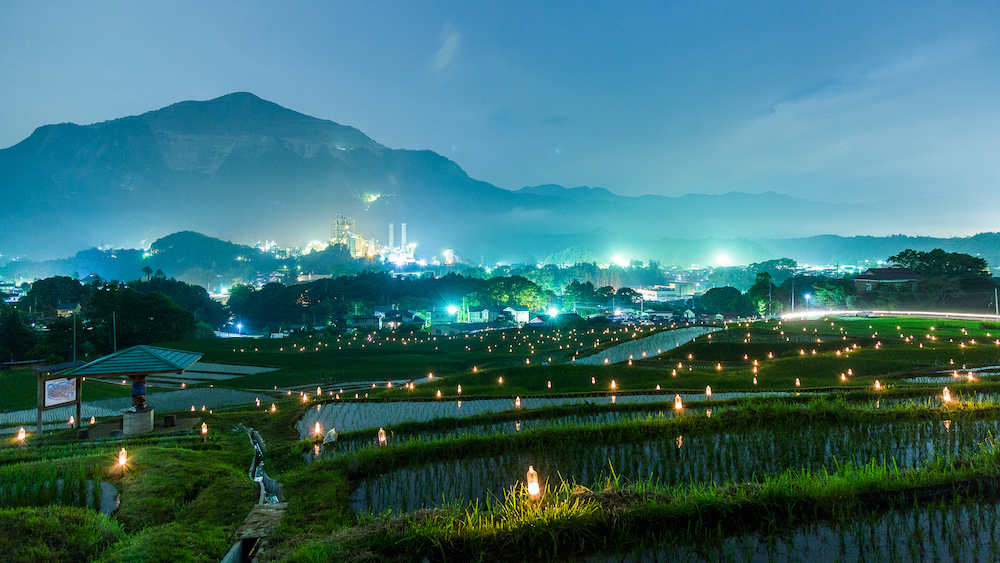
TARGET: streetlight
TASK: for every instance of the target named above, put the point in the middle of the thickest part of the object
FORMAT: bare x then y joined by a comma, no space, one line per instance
808,298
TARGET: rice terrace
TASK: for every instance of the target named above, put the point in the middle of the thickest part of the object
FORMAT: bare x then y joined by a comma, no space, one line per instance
830,438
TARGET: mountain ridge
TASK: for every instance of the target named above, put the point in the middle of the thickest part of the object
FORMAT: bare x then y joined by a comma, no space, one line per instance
242,168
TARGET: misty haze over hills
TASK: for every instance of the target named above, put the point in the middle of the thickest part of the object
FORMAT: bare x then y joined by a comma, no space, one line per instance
244,169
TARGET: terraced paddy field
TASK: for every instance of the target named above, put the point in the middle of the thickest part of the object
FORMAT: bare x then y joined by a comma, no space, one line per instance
829,439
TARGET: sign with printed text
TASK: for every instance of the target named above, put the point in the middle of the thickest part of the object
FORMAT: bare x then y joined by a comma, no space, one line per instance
60,391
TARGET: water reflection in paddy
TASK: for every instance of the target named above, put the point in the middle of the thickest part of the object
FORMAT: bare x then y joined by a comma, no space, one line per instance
361,415
738,456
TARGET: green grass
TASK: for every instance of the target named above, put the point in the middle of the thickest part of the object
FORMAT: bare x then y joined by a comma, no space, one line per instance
54,534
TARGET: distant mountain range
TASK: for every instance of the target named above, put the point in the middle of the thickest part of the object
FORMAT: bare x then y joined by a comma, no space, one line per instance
244,169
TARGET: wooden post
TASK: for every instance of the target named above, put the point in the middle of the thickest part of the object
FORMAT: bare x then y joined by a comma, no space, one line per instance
41,405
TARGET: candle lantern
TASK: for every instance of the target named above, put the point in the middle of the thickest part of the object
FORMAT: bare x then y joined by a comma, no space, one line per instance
677,402
532,479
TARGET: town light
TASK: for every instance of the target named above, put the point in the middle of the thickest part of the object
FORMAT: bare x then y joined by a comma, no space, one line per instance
532,479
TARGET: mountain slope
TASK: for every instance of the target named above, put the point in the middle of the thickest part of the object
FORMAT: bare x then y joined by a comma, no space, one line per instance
244,169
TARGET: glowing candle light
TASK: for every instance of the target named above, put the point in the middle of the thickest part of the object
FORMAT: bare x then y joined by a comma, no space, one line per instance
122,458
532,479
878,386
317,430
946,395
657,387
459,389
797,383
500,380
677,402
708,391
843,377
320,391
438,393
381,437
613,385
593,381
20,434
273,408
517,402
257,402
204,428
72,421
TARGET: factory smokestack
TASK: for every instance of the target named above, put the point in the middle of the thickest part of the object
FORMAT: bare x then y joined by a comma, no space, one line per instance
392,239
402,233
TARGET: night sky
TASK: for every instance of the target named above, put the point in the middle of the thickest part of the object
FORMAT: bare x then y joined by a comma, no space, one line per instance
830,101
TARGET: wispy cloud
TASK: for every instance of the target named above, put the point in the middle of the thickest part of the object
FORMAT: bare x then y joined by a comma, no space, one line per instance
451,41
912,125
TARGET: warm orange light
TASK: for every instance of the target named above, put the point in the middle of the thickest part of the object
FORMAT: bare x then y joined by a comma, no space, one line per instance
532,479
677,402
122,458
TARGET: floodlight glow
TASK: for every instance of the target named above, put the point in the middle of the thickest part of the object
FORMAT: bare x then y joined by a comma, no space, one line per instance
620,261
553,312
452,309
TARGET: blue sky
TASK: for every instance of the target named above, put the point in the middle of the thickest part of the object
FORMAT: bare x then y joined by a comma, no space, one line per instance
833,101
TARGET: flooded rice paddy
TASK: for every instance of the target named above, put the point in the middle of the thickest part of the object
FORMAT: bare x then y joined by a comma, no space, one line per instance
738,456
349,416
948,534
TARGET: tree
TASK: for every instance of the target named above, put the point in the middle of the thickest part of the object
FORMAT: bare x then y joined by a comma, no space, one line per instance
627,295
148,271
45,295
727,300
938,263
761,295
16,337
514,290
833,293
141,318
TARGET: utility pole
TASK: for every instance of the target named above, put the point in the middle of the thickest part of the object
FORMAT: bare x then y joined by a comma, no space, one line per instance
74,336
996,303
793,297
114,327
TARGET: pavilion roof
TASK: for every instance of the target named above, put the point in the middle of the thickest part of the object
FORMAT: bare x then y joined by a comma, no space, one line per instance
139,360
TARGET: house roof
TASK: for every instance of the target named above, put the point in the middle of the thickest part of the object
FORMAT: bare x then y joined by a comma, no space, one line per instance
139,360
888,274
479,308
67,306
